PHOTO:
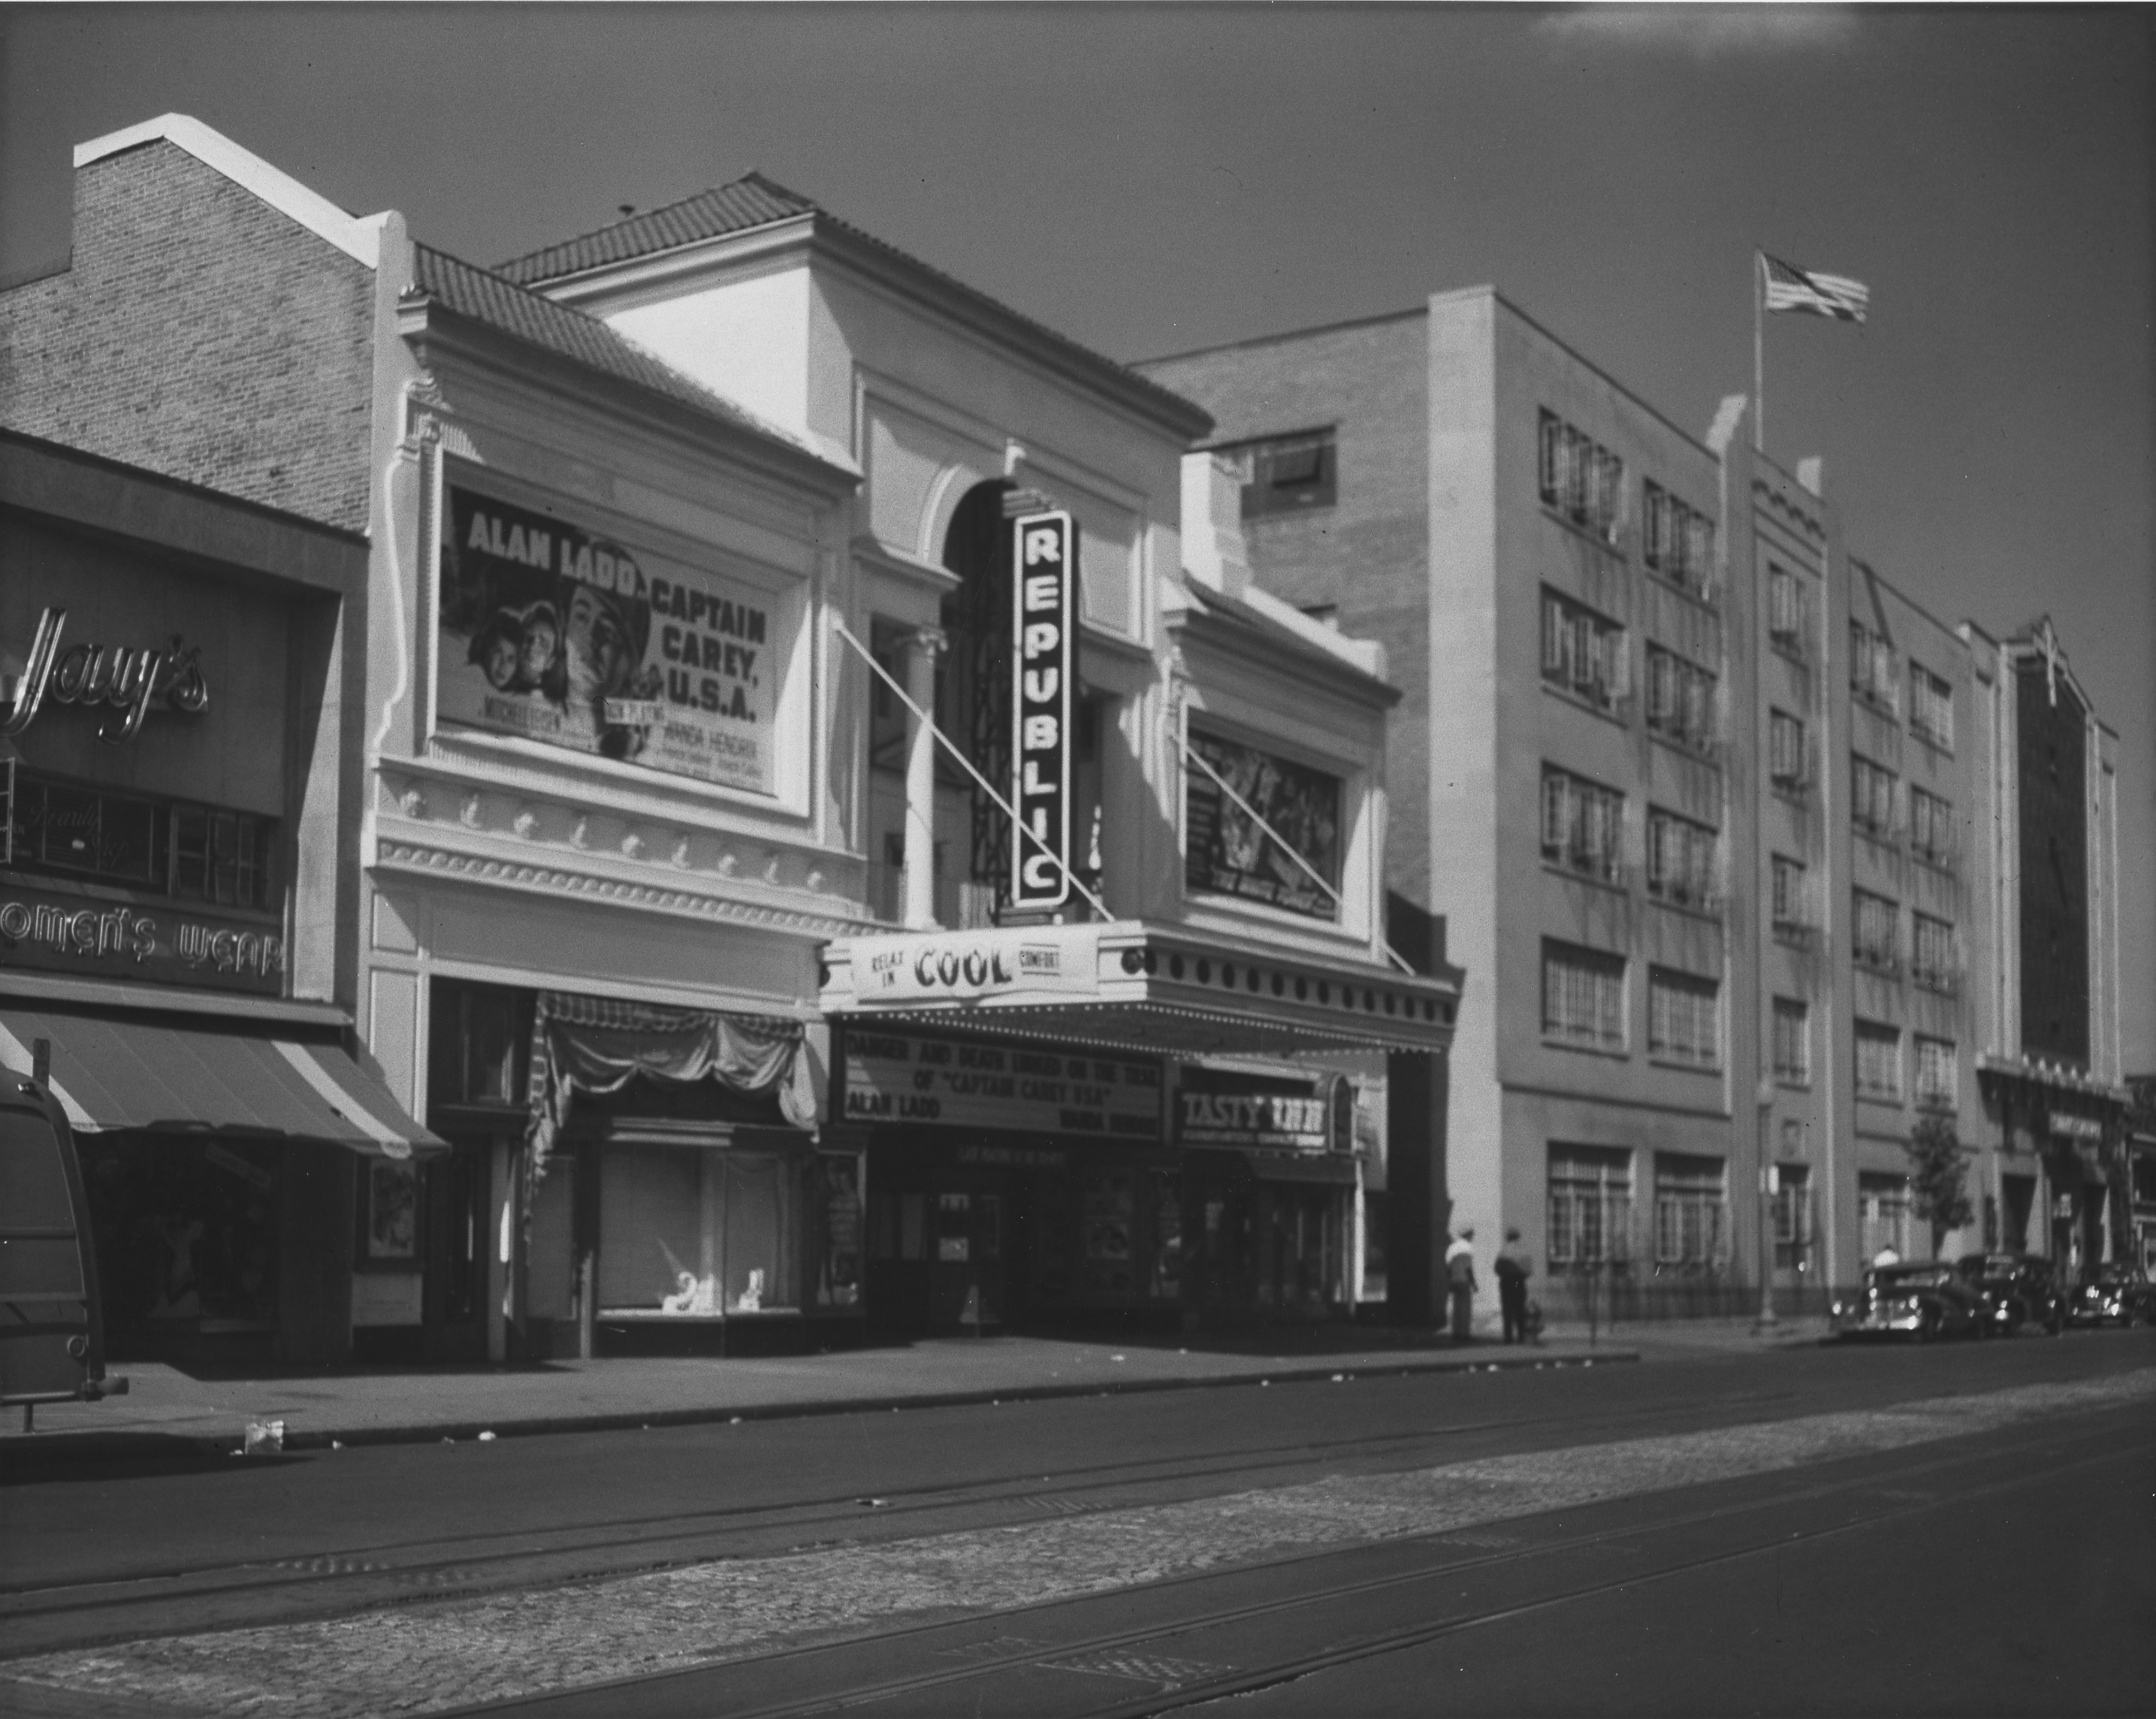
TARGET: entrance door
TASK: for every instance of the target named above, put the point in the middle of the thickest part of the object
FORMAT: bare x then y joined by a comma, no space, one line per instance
453,1307
967,1288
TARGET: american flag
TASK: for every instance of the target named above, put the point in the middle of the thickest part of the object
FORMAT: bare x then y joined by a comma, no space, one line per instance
1789,288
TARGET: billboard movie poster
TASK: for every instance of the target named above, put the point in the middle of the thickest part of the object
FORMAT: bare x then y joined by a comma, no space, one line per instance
552,635
1229,855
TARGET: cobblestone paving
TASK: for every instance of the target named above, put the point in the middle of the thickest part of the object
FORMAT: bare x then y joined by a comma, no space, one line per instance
422,1658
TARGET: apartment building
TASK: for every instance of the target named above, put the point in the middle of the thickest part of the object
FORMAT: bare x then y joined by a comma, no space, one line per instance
1711,809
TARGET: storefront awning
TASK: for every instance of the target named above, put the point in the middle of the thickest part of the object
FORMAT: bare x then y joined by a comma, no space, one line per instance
1126,985
110,1073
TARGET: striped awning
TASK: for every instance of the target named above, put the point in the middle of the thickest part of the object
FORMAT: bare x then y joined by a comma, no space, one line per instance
112,1073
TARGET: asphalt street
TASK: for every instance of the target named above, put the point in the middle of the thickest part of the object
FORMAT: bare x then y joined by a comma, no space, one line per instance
1959,1528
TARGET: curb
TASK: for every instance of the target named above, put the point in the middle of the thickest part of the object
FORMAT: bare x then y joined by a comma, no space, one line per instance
466,1431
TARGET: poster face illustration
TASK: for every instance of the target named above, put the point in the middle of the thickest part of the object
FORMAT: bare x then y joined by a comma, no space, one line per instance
552,635
1229,855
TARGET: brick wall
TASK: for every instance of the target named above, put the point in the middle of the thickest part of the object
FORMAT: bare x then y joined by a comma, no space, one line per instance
1367,554
200,333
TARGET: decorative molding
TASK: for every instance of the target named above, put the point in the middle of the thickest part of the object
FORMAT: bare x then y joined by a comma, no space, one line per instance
424,860
468,813
680,855
580,837
526,823
631,846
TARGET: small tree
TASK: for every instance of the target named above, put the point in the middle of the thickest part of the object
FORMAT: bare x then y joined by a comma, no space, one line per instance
1939,1177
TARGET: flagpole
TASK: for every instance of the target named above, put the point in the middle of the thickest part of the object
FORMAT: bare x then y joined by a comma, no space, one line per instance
1759,352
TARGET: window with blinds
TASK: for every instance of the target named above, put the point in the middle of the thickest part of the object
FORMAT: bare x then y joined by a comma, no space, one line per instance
1684,1018
1582,824
1590,1205
1874,940
1931,706
1676,540
1680,703
1583,996
1788,761
1872,797
1878,1061
1579,478
1583,653
1692,1212
1792,1041
1684,861
1933,962
1938,1072
1286,474
1874,675
1792,895
1930,826
1789,612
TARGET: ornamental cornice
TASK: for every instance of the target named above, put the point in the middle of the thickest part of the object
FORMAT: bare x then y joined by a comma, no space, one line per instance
546,876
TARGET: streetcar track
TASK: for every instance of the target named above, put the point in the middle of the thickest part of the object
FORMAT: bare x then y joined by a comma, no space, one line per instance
364,1566
982,1660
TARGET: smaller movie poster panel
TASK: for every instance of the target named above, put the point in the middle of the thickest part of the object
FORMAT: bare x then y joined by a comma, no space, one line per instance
551,634
1229,854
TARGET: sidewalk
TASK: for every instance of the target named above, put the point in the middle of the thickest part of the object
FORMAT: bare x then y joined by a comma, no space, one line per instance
387,1405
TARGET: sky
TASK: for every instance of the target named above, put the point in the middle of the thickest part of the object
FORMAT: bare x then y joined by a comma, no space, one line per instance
1154,179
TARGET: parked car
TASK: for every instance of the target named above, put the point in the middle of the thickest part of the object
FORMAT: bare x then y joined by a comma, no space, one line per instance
1919,1301
2018,1290
2114,1293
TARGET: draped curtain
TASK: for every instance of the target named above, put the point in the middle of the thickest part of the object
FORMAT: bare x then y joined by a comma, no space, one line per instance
597,1045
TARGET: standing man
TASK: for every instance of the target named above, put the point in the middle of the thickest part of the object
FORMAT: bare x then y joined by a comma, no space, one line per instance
1512,1273
1460,1269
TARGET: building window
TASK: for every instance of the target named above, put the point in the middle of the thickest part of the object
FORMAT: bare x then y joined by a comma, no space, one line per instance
1870,797
1789,762
1583,996
1582,824
1691,1213
1877,945
189,852
1792,1202
1679,699
1873,669
1878,1061
1932,962
1931,706
1580,477
1676,540
1938,1072
1792,902
1590,1206
1684,1018
1684,861
1792,1041
1583,653
1789,612
1882,1205
1930,826
1286,474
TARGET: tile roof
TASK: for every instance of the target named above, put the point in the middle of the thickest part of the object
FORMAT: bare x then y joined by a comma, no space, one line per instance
748,202
488,298
754,200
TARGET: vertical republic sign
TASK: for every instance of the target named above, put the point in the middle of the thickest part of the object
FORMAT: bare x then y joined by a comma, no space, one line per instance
1044,561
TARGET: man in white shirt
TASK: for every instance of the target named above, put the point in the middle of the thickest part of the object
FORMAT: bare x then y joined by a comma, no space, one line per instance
1459,1270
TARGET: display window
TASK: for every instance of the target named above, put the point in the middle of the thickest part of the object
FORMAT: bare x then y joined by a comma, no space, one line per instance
185,1229
694,1232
